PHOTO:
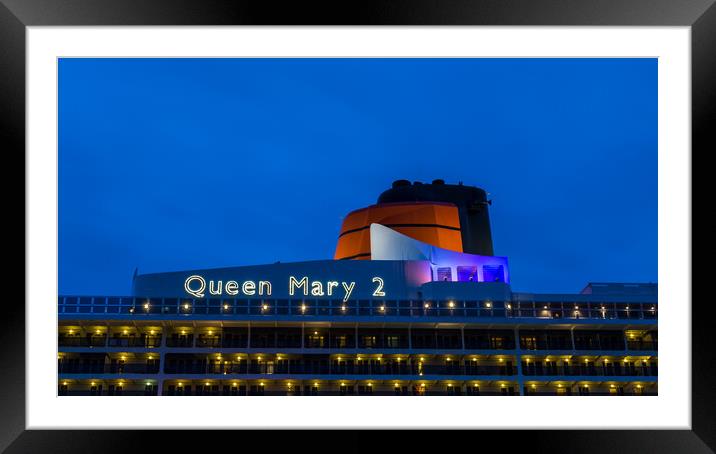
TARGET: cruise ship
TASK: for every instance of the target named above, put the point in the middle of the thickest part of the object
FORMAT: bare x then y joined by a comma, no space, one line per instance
414,302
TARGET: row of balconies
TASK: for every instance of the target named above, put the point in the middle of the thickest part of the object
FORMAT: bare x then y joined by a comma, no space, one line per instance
323,339
138,307
349,387
371,368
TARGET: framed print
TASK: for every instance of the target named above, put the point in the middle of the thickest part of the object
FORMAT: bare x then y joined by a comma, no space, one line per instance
415,217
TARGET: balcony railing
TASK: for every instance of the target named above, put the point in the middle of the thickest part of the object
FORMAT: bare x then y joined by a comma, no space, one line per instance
128,368
106,393
101,341
143,342
77,341
307,308
641,345
592,371
340,370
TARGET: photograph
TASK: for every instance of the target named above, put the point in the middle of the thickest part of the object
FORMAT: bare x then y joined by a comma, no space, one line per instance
363,226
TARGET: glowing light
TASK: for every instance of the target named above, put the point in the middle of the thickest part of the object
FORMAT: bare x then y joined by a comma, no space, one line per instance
131,310
315,384
396,385
92,384
98,332
343,308
186,306
427,305
226,307
488,304
183,332
146,306
71,331
382,308
315,333
180,384
474,359
303,308
534,386
500,360
148,384
265,307
207,383
509,306
211,333
422,385
151,332
124,331
451,304
64,383
262,383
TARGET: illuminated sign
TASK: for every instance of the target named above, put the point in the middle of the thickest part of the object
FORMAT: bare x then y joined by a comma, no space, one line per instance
197,286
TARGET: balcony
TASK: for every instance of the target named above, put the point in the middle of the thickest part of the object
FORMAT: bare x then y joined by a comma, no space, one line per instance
178,308
128,368
107,393
77,341
642,345
339,370
140,342
590,371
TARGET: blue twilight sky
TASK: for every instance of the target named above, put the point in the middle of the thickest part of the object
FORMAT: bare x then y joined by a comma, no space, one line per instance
170,164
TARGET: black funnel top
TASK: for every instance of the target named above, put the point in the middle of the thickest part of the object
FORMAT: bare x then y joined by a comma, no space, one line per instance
471,204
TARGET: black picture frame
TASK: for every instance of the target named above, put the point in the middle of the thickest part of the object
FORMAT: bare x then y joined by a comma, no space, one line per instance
700,15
